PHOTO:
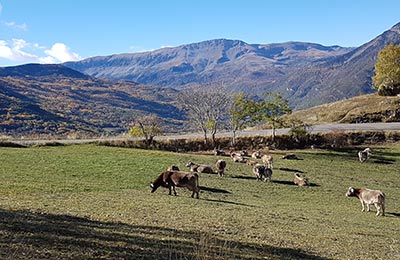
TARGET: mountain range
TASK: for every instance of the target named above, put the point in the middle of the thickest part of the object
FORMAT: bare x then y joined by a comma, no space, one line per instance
102,95
307,74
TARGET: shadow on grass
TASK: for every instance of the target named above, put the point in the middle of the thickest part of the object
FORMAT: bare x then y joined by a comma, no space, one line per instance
244,177
396,215
32,235
290,170
230,202
291,183
214,190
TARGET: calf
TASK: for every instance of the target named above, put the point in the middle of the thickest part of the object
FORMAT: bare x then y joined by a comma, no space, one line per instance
364,155
262,172
170,179
195,167
220,165
367,196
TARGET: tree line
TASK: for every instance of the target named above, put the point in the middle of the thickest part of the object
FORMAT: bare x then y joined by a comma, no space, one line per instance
210,109
214,109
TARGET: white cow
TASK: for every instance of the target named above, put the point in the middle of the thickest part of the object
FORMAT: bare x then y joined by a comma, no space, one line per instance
368,197
364,155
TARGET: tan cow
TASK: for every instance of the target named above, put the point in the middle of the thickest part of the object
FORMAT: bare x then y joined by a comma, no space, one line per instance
201,168
172,179
368,197
300,181
267,160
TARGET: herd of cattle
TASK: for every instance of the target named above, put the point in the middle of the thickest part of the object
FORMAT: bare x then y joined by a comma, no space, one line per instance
173,177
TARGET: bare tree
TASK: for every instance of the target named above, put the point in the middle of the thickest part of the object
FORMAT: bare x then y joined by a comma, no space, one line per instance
147,126
206,108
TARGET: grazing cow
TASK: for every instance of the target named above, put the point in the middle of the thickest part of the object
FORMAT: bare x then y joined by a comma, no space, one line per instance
364,155
300,181
267,160
173,168
195,167
170,179
256,155
220,165
262,172
290,156
368,197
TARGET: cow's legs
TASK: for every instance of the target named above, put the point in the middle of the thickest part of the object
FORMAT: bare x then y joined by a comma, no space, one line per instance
380,209
362,206
173,187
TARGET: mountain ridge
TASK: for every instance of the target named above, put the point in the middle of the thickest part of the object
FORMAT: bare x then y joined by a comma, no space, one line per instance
306,74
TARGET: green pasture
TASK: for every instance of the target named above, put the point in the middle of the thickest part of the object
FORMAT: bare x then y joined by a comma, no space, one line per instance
94,202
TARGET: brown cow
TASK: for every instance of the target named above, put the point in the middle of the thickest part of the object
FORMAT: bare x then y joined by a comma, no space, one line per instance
220,165
170,179
367,196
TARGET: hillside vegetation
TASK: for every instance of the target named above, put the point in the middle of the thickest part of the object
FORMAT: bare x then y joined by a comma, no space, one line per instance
55,100
360,109
91,202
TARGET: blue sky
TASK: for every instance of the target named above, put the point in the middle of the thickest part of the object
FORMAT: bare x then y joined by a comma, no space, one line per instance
54,31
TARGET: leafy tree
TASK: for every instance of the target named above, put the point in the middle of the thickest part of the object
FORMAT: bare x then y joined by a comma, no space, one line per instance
387,71
241,113
147,126
271,109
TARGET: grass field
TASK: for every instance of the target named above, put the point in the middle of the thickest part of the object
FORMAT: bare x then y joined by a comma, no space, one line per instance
94,202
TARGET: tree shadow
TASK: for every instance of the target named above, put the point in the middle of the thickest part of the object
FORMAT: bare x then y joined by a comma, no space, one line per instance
383,161
33,235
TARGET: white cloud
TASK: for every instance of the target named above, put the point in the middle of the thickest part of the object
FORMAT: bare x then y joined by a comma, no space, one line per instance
61,52
20,51
22,26
14,51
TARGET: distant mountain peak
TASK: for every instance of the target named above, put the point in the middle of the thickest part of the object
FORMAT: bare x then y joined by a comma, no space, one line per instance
396,28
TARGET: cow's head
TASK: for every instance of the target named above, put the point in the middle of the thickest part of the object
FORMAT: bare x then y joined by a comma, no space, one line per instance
153,187
350,192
